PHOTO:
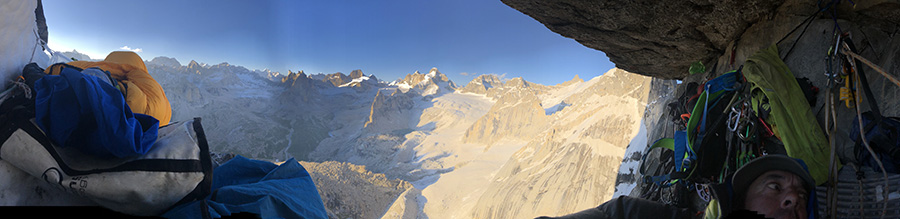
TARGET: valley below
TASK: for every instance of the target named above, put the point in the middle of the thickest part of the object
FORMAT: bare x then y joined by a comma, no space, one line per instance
422,146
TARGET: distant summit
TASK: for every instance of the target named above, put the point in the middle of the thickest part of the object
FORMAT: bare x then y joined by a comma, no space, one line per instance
482,83
194,65
574,80
356,74
165,61
432,83
337,79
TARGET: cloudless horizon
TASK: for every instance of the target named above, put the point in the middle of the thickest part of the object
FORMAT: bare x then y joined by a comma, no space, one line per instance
462,39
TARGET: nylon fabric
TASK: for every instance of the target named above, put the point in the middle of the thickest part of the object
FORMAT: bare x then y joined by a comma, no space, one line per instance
258,187
82,111
143,94
791,117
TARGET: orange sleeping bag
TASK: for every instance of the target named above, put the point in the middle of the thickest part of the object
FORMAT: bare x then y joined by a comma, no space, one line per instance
142,93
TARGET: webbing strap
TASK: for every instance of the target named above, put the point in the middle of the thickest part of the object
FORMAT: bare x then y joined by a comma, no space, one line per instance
680,147
665,180
724,82
667,143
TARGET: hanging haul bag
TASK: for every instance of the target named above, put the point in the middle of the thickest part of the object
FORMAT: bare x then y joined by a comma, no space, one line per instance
177,170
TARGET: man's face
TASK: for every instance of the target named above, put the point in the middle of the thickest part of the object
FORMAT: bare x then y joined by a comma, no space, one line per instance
777,194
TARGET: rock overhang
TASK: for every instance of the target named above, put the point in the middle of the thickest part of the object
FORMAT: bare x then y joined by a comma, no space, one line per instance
662,38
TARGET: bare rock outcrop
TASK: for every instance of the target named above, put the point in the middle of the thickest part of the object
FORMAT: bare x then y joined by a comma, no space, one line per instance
388,110
356,74
351,191
570,166
299,86
516,114
337,79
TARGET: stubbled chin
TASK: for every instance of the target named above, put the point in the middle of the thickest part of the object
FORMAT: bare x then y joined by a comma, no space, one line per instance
786,215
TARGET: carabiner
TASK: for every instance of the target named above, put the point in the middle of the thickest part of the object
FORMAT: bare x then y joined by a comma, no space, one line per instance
734,119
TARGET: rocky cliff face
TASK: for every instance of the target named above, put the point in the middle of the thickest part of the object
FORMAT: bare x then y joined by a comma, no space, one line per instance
299,87
662,38
337,79
389,110
517,113
570,165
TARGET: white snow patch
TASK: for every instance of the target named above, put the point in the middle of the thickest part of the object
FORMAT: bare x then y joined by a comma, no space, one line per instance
637,145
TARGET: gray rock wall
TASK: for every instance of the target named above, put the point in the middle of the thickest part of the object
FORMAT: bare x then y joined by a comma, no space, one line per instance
662,38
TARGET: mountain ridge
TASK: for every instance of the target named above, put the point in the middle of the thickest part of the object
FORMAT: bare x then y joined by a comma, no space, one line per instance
422,130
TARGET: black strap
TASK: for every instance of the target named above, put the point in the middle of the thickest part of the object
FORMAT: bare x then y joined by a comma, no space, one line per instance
205,160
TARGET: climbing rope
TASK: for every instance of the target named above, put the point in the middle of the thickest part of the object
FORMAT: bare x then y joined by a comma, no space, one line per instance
20,84
869,148
847,52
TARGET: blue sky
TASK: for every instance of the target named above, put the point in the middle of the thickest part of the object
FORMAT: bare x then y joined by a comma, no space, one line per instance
462,38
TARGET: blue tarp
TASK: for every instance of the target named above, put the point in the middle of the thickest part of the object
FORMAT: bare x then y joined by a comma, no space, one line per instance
77,110
258,187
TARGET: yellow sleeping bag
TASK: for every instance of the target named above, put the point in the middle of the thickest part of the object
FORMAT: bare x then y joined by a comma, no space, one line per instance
142,93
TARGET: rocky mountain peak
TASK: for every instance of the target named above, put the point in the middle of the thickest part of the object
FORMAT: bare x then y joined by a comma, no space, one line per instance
164,61
427,84
433,72
517,82
337,79
482,83
356,74
194,65
574,80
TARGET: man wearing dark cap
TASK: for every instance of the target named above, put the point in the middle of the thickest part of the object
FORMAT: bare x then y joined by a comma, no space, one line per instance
773,186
